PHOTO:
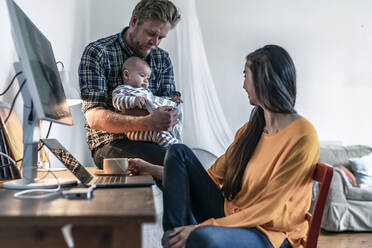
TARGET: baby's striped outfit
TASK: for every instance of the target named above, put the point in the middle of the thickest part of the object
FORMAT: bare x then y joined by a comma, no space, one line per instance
123,97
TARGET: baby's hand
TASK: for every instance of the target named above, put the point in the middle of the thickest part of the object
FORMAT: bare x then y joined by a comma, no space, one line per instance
177,99
139,102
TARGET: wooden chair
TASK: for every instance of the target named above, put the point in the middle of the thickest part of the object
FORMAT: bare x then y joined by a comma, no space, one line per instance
323,174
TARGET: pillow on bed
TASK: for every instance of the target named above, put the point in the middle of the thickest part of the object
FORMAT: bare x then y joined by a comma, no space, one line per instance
362,169
350,176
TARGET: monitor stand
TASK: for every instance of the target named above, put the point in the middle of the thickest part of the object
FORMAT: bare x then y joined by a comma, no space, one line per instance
31,138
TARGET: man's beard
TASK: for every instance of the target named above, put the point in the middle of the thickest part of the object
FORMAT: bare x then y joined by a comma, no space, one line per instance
136,47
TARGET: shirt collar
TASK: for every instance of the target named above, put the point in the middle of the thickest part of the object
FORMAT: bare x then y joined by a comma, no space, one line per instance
123,44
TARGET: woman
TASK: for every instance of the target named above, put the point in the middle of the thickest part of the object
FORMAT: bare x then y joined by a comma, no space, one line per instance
258,192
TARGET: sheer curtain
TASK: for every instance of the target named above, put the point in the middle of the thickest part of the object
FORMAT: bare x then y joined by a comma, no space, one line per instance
205,125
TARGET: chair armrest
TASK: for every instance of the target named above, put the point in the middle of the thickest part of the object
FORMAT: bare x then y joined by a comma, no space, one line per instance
359,194
354,193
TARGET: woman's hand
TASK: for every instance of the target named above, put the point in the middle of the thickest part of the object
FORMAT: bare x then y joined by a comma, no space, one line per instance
179,236
137,165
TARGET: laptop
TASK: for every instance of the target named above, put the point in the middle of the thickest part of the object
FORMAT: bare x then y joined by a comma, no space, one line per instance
86,178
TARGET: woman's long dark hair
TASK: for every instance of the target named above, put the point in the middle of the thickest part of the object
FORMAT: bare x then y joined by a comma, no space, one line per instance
274,80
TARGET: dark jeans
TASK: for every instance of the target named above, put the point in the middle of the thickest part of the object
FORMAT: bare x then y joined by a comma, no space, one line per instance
126,148
189,194
190,197
221,237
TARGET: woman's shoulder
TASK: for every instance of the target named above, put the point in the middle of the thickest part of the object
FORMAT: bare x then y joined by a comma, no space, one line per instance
303,132
241,130
301,125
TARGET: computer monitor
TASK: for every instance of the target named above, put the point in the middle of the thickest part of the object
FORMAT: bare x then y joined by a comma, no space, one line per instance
42,93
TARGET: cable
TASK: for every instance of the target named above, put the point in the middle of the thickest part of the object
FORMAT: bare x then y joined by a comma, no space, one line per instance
15,76
47,135
6,165
50,127
11,109
60,62
22,194
39,148
14,99
9,164
49,192
42,145
10,158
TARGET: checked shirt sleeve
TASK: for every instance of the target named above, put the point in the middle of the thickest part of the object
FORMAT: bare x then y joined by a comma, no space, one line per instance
92,78
166,79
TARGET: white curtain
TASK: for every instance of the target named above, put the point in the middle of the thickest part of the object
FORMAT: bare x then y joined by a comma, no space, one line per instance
205,125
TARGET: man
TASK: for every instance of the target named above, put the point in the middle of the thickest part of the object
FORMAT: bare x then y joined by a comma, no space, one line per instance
100,73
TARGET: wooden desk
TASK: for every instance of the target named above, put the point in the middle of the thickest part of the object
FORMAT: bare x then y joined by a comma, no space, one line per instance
112,218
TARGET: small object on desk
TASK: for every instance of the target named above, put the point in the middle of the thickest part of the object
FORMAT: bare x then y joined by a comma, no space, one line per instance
79,193
115,165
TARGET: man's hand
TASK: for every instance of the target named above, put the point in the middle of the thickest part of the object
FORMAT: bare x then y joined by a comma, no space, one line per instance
139,102
163,118
177,99
179,236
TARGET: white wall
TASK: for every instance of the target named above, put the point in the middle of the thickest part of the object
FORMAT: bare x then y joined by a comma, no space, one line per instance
109,17
329,41
63,23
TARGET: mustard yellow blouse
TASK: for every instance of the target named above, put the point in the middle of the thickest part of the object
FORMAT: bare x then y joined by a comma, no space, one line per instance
276,186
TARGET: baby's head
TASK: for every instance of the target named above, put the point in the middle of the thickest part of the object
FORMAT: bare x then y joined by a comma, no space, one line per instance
136,72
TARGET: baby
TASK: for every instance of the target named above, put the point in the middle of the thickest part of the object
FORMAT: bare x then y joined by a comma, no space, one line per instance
134,93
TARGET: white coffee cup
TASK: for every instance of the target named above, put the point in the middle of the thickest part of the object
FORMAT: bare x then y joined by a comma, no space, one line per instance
115,165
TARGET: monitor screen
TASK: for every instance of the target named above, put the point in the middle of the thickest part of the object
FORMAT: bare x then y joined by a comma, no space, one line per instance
42,93
39,66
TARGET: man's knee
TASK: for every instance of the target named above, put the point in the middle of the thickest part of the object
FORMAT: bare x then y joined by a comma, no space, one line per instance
203,236
179,152
176,148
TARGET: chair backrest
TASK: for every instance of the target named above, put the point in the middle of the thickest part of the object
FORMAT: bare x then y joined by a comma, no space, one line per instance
323,174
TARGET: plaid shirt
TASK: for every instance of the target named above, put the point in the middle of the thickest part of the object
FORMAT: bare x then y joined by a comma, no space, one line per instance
100,73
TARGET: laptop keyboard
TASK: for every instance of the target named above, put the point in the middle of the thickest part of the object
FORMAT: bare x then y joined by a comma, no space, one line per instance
110,180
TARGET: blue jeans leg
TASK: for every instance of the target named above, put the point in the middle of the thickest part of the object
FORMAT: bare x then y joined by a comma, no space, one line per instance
189,196
221,237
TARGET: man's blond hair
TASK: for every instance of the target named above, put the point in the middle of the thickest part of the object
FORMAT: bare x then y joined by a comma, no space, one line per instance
163,10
